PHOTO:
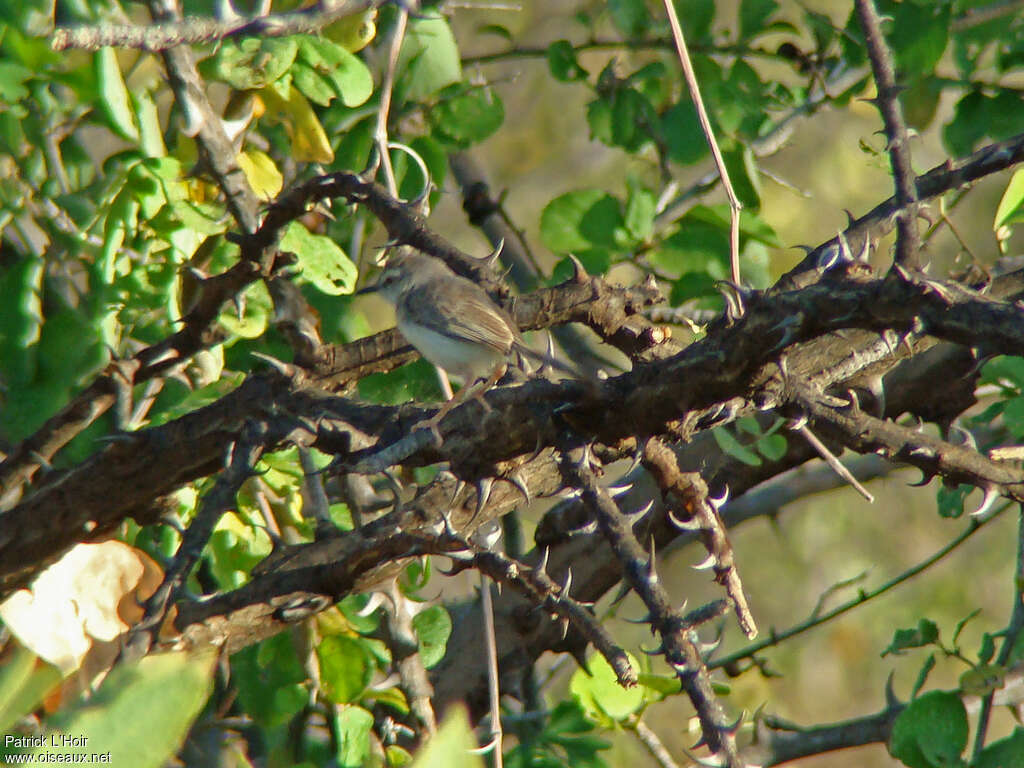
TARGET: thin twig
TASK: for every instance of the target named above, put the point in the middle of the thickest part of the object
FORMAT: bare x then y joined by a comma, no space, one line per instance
653,744
830,458
1013,630
169,34
705,124
908,239
775,638
493,689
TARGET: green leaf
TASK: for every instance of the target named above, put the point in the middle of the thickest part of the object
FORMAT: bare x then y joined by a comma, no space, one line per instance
754,16
951,500
323,262
430,58
580,220
313,85
630,16
732,446
696,16
334,63
1005,753
114,99
919,36
925,633
451,746
269,679
772,447
922,675
21,285
251,63
683,135
24,680
969,125
467,115
640,211
354,725
345,667
983,679
258,309
13,77
141,712
746,179
931,731
562,62
1011,205
433,627
599,693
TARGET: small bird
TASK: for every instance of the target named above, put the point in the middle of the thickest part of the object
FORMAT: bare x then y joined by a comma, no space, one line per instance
452,321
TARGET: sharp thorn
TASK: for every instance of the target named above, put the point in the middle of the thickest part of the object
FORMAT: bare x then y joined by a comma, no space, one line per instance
617,490
579,272
689,526
483,493
706,564
991,494
517,480
718,501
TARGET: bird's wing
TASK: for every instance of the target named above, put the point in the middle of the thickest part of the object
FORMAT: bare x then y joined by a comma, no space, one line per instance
472,317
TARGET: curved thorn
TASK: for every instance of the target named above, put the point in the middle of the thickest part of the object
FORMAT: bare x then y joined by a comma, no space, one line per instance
372,164
617,490
891,699
583,530
542,567
492,258
844,247
579,272
926,477
656,651
717,501
639,513
705,648
486,748
651,565
991,494
375,601
646,619
568,582
460,485
517,480
483,493
795,425
689,526
706,564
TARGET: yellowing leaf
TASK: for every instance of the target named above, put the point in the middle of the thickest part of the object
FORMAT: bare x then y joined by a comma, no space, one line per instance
309,141
81,598
354,32
264,178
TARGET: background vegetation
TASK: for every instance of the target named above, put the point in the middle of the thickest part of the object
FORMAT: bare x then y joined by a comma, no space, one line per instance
195,404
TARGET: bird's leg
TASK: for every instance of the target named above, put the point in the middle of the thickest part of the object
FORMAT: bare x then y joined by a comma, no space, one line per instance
476,391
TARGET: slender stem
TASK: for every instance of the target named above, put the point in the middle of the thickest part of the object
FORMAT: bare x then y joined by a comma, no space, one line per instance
1013,631
908,240
709,134
492,668
774,638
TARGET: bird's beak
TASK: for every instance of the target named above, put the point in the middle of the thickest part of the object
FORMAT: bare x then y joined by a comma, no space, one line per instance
371,288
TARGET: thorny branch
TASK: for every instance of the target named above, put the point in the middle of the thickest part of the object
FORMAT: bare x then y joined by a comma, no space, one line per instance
677,636
908,242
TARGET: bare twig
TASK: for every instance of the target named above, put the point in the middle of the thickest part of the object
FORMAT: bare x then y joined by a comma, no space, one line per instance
730,662
705,124
908,242
832,461
1009,640
172,33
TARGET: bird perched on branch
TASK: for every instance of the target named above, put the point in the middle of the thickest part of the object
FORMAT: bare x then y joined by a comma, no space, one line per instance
451,320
